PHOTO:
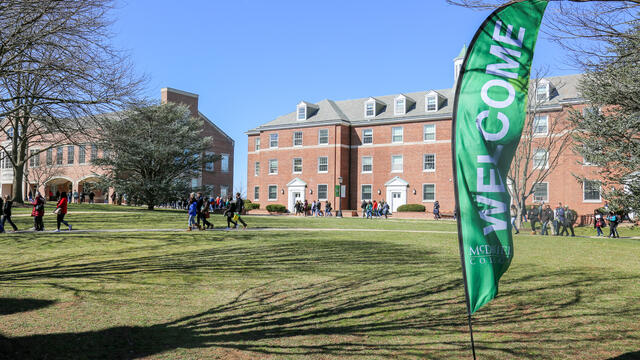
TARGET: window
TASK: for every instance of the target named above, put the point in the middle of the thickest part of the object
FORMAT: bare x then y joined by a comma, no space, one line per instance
591,191
302,112
323,136
367,164
322,191
273,192
399,108
224,163
94,151
34,158
10,133
273,140
49,157
297,138
542,92
541,125
429,162
6,163
256,171
366,192
428,192
323,164
297,165
367,136
396,163
256,193
541,192
59,155
432,103
224,191
429,132
194,183
70,154
370,109
396,134
273,166
208,166
82,154
257,144
540,159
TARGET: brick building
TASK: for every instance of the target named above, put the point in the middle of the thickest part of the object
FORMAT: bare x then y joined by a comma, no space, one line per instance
68,167
395,148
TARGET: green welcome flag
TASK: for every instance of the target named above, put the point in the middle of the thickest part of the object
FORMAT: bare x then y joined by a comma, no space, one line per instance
488,116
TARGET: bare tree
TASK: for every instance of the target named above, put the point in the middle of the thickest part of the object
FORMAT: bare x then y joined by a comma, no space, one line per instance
40,173
53,87
540,148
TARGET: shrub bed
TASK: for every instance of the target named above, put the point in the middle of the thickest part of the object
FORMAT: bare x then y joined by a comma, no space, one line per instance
276,208
411,208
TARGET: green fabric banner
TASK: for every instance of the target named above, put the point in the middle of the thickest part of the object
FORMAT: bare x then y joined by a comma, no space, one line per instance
489,113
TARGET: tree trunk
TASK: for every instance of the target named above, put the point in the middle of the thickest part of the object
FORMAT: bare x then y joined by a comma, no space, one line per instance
18,179
150,207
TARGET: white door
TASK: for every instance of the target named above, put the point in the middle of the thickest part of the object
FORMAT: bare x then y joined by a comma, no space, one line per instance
396,200
294,195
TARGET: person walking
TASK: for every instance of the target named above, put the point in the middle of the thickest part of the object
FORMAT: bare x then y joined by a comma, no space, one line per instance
205,211
385,210
559,219
533,215
38,212
229,213
61,211
570,218
598,222
546,219
363,206
368,209
514,215
92,196
192,213
239,208
436,210
613,225
6,213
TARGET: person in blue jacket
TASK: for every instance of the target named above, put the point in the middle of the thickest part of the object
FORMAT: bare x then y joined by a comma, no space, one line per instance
193,212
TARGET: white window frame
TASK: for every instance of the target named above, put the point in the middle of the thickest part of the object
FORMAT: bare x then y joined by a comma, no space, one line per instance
60,155
326,192
424,132
427,98
364,136
534,159
584,188
424,169
34,160
536,121
393,141
401,163
301,110
273,161
256,168
362,170
49,157
320,137
274,138
319,164
269,198
294,138
224,163
208,166
94,151
293,165
533,194
71,154
371,103
82,154
256,144
545,86
362,192
423,193
400,102
256,193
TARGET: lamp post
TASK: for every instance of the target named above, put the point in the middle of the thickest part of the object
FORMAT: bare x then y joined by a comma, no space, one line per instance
339,213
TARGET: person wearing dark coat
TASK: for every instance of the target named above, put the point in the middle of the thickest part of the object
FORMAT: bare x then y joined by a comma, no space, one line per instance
6,213
533,215
229,212
38,212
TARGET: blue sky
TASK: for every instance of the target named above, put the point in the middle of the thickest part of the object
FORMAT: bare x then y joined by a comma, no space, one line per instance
251,61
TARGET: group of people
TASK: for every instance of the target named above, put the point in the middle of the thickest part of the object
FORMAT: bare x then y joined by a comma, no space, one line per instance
557,222
76,197
600,221
312,209
376,209
38,212
200,208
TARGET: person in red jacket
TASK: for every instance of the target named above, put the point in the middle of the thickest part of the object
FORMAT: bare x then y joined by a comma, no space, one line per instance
61,211
38,212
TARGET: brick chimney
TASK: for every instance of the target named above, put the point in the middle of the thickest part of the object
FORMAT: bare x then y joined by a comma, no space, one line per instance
180,97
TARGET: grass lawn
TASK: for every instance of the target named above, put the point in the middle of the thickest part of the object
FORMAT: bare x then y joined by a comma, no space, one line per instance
285,294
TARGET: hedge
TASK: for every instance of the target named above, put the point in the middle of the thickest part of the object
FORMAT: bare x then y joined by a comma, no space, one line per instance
252,206
411,208
277,208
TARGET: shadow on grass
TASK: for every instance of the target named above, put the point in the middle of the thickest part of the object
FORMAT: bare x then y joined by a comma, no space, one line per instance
392,301
10,305
635,355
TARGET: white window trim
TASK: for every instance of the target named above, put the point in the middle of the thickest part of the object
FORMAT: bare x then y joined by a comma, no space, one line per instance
228,160
323,172
269,192
533,160
547,93
404,105
257,144
34,160
206,165
533,194
269,167
424,127
397,171
362,165
256,168
434,193
362,192
318,192
592,201
374,108
435,163
535,134
277,141
298,112
402,133
254,193
426,102
293,166
367,144
325,144
301,139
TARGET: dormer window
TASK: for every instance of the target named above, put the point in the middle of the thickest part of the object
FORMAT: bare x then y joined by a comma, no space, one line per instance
305,110
400,106
370,109
432,103
542,91
302,112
